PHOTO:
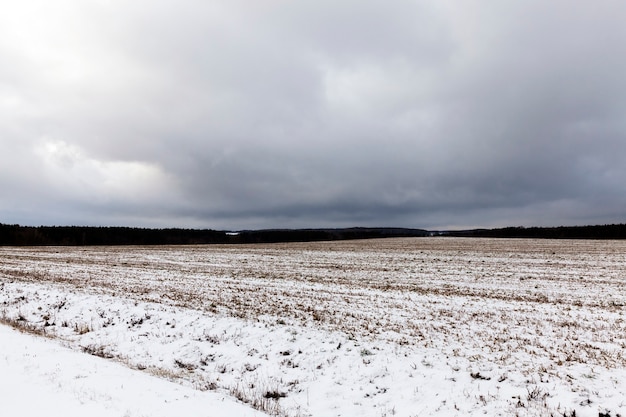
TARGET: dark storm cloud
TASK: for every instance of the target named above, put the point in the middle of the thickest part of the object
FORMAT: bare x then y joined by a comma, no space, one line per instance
305,114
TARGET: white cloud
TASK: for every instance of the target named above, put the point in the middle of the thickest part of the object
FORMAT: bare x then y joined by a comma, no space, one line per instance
75,175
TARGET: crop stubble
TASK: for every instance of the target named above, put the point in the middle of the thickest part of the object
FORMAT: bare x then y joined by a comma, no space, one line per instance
562,299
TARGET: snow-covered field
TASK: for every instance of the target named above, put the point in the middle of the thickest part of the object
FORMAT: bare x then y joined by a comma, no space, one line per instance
40,378
406,327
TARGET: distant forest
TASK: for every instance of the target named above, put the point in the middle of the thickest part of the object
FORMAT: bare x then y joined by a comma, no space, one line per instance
78,236
607,231
81,236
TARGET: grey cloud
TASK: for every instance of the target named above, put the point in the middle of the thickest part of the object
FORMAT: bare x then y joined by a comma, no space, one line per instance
279,114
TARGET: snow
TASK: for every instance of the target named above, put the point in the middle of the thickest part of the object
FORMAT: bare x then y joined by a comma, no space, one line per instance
405,327
41,378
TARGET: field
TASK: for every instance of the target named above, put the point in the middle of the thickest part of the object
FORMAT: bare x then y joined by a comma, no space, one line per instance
405,327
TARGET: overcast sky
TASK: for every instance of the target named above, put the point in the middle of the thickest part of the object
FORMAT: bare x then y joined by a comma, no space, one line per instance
312,113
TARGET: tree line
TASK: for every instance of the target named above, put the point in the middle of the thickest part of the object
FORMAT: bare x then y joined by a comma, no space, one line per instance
80,236
607,231
89,236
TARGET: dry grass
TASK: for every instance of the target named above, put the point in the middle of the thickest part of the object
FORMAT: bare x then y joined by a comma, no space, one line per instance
427,288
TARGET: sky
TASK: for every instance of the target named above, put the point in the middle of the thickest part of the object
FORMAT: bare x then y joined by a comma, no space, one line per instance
284,114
